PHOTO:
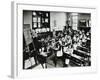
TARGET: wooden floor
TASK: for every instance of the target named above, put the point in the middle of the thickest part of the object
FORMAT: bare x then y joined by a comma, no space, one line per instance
50,64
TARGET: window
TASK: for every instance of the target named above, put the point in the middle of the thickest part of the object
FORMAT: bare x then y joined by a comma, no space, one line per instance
41,21
74,21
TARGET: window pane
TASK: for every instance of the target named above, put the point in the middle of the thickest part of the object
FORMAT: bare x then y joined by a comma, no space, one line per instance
42,20
35,25
34,13
46,20
34,19
46,14
39,25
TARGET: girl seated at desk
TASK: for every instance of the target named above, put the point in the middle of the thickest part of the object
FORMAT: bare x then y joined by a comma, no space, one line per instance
67,50
57,50
43,57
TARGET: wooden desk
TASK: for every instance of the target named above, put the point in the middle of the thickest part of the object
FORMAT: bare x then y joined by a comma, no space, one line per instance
76,59
81,53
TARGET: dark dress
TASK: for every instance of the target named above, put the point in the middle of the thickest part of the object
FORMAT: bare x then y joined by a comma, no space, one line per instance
37,45
55,52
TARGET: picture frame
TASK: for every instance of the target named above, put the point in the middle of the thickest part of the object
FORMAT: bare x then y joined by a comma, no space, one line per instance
17,40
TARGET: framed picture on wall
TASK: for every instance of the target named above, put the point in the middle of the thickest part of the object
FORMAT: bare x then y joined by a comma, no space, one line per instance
52,39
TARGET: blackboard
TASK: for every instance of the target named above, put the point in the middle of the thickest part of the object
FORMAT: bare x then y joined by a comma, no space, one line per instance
27,34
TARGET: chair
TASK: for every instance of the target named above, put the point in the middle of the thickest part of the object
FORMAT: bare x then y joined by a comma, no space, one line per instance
59,53
67,54
42,57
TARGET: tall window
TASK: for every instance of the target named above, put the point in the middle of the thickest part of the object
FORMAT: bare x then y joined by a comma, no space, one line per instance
41,21
75,21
